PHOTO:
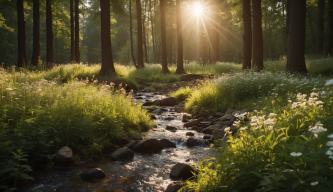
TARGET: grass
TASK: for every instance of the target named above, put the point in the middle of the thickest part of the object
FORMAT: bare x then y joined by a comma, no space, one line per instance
277,148
40,116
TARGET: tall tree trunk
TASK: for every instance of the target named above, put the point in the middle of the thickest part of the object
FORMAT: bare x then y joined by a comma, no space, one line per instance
164,60
296,36
21,54
139,34
144,33
107,67
49,34
36,33
321,34
247,36
257,38
131,33
77,31
180,59
71,12
152,9
215,37
330,28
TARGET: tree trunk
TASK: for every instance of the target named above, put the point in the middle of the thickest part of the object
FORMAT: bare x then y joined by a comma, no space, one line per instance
257,38
321,15
71,12
330,28
21,46
139,34
247,36
107,67
296,36
77,31
131,33
49,34
164,60
180,59
36,33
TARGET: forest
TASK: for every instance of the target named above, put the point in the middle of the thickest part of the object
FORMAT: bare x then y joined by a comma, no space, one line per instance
166,95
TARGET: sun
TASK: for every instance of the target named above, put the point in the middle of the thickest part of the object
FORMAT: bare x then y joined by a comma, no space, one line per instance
197,9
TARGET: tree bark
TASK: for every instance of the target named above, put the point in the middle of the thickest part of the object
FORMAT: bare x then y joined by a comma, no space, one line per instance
330,28
180,60
139,34
131,33
257,38
247,36
36,34
321,15
107,67
21,44
71,12
164,60
49,34
296,36
77,31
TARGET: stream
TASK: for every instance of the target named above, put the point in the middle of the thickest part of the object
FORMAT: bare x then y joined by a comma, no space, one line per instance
146,173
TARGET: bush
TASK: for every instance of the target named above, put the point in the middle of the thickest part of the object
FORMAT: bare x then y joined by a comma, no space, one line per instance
280,148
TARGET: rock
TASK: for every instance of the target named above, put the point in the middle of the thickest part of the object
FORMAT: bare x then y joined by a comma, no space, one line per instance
148,146
93,175
159,111
148,103
207,137
227,119
192,142
152,117
64,156
170,101
131,144
169,118
171,128
190,134
182,171
174,187
186,118
192,123
122,154
218,134
211,128
165,143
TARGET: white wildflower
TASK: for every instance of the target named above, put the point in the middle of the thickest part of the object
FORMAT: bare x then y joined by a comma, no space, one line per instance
317,129
329,143
329,82
330,136
270,121
314,183
272,115
9,89
329,153
296,154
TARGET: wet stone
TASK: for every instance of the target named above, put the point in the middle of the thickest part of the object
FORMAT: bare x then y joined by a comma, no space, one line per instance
122,154
171,128
182,171
64,156
190,134
170,101
174,187
93,175
192,142
165,143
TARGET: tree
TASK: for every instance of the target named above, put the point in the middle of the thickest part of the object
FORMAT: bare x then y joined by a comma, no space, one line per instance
72,26
247,34
321,14
140,63
107,67
131,33
77,31
36,33
21,45
257,38
330,27
49,34
164,60
180,59
296,36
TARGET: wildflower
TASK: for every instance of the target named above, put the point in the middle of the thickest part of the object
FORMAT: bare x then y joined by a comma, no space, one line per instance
272,115
329,143
329,153
317,128
296,154
9,89
330,136
329,82
314,183
243,128
270,121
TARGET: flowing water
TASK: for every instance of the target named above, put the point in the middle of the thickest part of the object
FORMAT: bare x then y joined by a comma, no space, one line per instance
146,172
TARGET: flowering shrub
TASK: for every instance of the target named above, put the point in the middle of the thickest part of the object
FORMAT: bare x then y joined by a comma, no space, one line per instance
278,148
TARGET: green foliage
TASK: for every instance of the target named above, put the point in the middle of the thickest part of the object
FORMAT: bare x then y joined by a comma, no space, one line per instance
182,93
217,68
280,148
246,90
39,116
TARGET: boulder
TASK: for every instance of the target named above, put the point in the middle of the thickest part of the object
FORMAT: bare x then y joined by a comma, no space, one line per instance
169,101
218,134
148,146
122,154
190,134
174,187
227,119
211,128
64,156
186,118
192,123
171,128
165,144
92,175
207,137
182,171
148,103
192,142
